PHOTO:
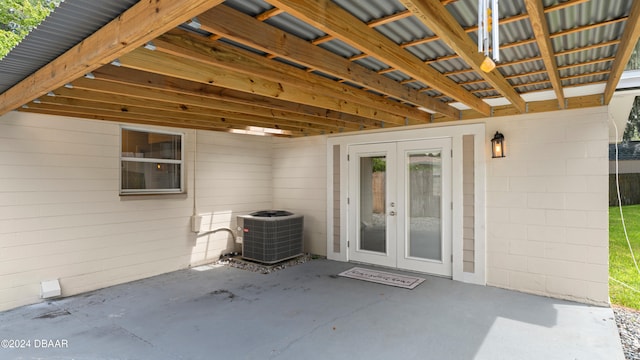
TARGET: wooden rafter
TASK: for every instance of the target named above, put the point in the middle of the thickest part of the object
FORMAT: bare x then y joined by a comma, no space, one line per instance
269,14
437,18
206,73
628,42
164,101
341,24
111,79
389,19
206,82
141,23
230,58
136,116
83,100
502,21
373,23
588,27
245,30
540,28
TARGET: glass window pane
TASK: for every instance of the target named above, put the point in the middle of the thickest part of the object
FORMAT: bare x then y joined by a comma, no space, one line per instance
424,205
373,224
150,145
150,176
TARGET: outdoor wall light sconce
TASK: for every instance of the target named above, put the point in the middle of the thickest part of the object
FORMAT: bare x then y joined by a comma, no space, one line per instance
497,145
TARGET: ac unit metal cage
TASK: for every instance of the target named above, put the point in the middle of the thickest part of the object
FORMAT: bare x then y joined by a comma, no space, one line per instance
271,236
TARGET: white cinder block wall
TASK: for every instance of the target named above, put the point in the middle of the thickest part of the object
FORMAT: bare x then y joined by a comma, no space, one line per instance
233,177
300,185
547,205
61,216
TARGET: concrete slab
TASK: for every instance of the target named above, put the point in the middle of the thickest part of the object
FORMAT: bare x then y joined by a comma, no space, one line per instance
306,311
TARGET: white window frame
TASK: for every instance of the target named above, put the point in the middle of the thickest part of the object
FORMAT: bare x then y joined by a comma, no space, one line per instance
180,162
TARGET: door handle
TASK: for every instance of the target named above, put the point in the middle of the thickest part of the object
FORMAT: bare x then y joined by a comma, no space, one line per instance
392,213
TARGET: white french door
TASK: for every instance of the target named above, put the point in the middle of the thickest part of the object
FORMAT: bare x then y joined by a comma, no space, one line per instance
400,205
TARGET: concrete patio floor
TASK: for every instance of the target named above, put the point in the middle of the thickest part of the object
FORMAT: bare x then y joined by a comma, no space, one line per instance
307,312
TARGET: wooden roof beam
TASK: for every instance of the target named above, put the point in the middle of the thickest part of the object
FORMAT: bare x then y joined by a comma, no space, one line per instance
141,23
231,58
192,70
437,18
268,14
502,21
351,30
627,44
102,91
588,27
160,87
80,99
245,30
389,19
144,118
538,21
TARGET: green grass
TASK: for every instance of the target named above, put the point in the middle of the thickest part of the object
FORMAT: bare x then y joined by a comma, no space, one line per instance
621,265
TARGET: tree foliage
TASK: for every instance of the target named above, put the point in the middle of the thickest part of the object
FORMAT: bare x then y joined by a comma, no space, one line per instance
634,61
18,18
632,131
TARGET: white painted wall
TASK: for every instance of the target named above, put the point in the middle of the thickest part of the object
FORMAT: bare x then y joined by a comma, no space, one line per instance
547,205
234,177
300,186
61,216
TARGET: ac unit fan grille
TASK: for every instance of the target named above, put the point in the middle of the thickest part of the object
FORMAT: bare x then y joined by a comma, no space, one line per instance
270,240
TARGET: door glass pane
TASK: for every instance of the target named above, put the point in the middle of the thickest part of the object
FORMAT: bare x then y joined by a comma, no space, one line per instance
424,205
373,224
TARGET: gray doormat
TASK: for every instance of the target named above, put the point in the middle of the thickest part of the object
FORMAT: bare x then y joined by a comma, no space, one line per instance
382,277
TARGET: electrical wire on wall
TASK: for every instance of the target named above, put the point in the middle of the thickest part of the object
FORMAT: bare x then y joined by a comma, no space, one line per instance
195,164
195,197
624,225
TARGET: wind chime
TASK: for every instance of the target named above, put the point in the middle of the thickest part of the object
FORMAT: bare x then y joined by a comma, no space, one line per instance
488,23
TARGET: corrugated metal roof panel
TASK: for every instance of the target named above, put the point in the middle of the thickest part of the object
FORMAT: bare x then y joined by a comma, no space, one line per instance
249,7
79,18
465,77
292,25
534,88
405,30
367,10
522,68
431,50
450,65
372,63
397,75
54,36
341,48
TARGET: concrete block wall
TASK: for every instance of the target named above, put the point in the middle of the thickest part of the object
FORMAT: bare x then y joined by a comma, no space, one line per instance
233,177
61,216
547,205
300,185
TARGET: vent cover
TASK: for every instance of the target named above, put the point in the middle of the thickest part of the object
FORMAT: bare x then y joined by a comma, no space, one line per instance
271,236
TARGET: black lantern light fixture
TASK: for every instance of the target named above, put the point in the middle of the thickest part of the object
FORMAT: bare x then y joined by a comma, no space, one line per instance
497,145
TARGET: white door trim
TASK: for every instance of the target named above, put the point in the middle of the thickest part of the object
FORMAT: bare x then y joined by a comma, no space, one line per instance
453,130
